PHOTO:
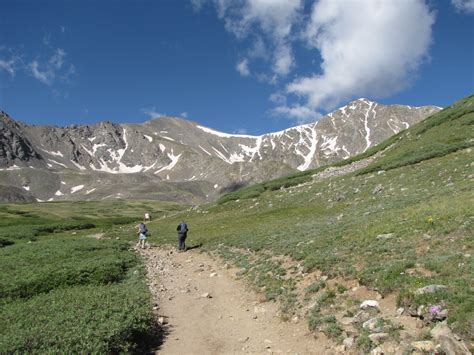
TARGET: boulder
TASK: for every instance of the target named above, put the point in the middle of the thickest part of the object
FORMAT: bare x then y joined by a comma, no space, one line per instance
374,325
449,343
430,289
377,351
378,338
424,346
348,343
385,236
370,304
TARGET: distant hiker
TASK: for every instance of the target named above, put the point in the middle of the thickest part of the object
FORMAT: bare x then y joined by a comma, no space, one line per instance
147,217
182,235
142,232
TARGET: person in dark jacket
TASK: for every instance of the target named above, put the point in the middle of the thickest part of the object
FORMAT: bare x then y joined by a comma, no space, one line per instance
182,235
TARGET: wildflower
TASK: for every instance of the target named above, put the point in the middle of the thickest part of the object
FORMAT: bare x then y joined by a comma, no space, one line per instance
435,310
430,220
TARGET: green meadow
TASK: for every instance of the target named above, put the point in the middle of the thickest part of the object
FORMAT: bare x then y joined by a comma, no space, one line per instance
64,291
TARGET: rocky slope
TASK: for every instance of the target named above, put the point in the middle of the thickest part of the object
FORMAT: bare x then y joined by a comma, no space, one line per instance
176,159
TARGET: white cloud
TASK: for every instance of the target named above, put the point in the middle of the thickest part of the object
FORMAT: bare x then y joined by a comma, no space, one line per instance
52,70
152,112
283,60
269,22
464,5
278,98
9,61
183,114
57,59
243,67
368,48
301,114
46,76
197,4
8,65
241,131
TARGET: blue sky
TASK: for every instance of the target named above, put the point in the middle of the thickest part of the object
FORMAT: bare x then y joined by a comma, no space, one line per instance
240,66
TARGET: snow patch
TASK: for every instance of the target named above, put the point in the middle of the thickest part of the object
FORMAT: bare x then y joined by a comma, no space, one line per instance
58,193
55,162
14,167
77,188
58,153
27,188
224,135
366,123
80,167
205,151
312,149
150,139
89,191
162,147
171,165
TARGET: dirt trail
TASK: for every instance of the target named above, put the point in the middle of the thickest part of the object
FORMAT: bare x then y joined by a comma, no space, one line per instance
208,311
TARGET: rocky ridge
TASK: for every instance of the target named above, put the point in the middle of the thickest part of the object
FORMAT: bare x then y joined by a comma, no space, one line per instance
175,159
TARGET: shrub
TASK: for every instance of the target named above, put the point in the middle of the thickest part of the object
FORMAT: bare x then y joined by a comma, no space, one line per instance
83,319
4,242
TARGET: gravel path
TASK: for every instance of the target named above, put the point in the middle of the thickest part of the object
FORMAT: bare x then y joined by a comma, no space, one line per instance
206,310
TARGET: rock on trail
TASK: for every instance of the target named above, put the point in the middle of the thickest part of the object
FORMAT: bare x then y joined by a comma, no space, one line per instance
216,314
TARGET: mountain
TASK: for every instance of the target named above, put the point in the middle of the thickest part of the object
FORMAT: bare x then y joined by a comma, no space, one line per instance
176,159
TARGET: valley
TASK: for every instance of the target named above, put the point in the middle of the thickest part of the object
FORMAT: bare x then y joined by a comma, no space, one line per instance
372,254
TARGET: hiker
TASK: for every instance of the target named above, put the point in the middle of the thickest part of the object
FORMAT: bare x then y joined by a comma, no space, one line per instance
182,235
142,232
147,217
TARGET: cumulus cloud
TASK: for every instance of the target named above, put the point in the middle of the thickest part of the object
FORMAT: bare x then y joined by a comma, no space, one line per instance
368,48
301,114
268,23
183,114
243,67
464,5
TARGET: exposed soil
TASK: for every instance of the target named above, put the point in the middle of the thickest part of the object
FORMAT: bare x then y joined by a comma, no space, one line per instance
206,310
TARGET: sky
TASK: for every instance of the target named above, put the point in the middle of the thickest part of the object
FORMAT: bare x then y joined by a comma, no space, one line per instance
238,66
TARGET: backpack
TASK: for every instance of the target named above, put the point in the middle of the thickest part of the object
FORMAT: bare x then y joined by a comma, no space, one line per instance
143,229
183,228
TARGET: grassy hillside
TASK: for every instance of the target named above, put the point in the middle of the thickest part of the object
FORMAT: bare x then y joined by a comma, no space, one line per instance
438,135
401,223
62,289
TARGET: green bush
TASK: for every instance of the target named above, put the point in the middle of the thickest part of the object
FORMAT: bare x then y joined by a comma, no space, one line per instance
83,319
30,269
61,227
4,242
